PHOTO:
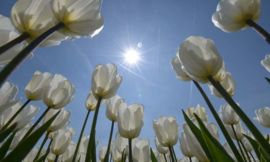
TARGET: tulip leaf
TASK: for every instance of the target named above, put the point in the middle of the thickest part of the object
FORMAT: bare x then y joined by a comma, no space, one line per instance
268,80
4,148
26,145
197,133
264,155
255,146
4,133
153,158
216,149
123,158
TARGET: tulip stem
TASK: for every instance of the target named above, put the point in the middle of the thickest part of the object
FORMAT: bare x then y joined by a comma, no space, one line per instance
106,159
14,42
253,129
190,159
15,115
79,142
171,152
130,150
220,124
36,123
174,154
165,157
93,129
19,58
245,150
252,156
263,33
242,153
56,158
48,149
43,143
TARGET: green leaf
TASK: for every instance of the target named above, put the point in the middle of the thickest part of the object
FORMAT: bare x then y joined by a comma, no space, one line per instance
196,131
255,146
216,149
153,157
123,158
268,80
4,133
264,155
26,145
4,148
79,159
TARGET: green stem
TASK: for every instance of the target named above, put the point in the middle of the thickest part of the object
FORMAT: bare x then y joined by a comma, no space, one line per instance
14,42
56,158
36,123
242,153
93,128
171,152
220,124
44,141
80,138
165,157
252,128
15,115
174,154
245,150
17,60
252,156
190,159
263,33
130,150
106,159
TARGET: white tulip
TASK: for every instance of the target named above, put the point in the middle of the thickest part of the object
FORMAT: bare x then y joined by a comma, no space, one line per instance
122,143
130,120
166,130
32,154
180,73
239,130
229,150
112,106
199,111
184,147
220,76
231,15
26,129
228,115
15,141
266,63
199,58
116,155
140,151
91,102
263,117
247,144
7,94
102,153
105,81
59,92
24,117
187,159
51,157
69,153
161,149
82,156
162,157
35,89
60,121
84,144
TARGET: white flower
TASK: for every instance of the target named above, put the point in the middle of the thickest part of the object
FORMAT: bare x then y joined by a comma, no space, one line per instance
266,63
26,129
60,121
69,153
122,143
199,111
102,153
186,159
15,141
91,102
184,147
112,106
180,73
239,130
263,117
32,154
161,149
84,144
140,151
228,115
116,155
229,150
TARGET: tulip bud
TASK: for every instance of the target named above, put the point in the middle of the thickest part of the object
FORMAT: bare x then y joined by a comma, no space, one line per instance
166,130
239,130
112,107
266,63
228,115
102,153
180,73
247,144
32,154
161,149
199,111
59,122
15,141
116,155
35,89
59,92
184,145
7,94
199,58
91,102
84,144
141,151
232,15
105,81
122,143
263,117
69,153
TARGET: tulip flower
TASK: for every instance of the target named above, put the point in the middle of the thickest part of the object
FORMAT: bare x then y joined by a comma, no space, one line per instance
82,156
160,148
116,155
229,150
26,129
24,117
163,157
51,157
180,73
122,143
69,153
91,102
200,111
247,144
266,63
199,58
141,151
220,76
263,117
228,115
105,81
187,159
112,106
227,83
32,154
7,94
84,143
15,141
184,147
102,153
35,89
238,129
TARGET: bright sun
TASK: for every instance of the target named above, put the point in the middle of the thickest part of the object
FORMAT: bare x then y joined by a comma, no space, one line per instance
132,56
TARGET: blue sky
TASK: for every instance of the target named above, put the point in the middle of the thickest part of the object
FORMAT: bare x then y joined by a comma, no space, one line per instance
159,26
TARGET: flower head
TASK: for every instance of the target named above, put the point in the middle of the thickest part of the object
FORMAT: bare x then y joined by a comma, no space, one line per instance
263,117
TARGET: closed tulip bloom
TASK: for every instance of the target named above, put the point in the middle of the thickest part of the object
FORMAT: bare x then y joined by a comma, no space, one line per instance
162,158
161,149
91,102
84,144
116,155
105,81
59,92
186,159
24,117
51,157
166,130
102,153
7,94
247,144
122,143
263,117
266,63
81,156
228,115
180,73
35,89
227,83
184,145
32,154
69,153
59,122
239,130
199,58
231,15
112,106
141,151
15,141
61,140
26,129
220,76
200,111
